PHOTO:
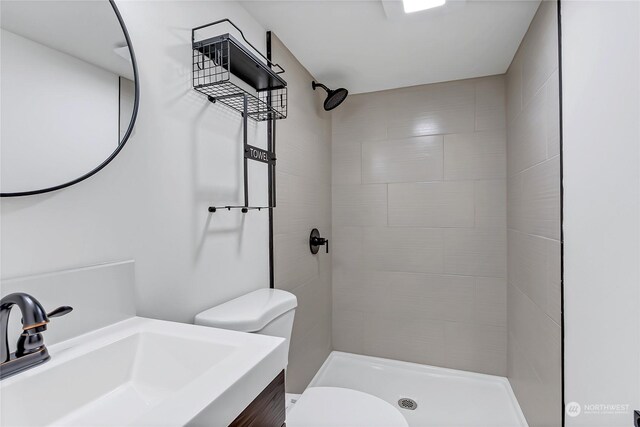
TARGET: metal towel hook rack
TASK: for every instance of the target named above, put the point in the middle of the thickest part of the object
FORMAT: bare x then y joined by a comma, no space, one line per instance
215,60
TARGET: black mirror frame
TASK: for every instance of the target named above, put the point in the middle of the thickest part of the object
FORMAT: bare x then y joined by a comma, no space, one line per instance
125,138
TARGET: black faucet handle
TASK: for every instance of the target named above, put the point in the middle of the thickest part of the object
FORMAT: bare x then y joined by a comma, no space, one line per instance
60,311
57,312
315,241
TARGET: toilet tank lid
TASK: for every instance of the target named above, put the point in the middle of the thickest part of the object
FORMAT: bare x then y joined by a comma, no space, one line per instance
250,312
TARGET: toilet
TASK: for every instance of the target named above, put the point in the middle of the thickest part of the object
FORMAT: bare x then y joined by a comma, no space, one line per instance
271,312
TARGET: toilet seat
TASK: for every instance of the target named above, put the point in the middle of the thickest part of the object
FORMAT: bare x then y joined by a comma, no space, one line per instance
335,406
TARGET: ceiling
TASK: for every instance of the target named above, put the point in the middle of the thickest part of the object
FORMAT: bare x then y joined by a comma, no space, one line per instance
87,30
364,46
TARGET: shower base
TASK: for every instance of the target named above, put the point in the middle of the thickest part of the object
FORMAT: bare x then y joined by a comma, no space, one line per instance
444,397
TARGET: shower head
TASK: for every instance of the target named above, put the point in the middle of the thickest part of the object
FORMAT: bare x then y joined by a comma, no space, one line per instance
334,97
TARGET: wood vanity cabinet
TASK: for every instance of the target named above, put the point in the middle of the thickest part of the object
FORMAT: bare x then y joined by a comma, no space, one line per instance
266,410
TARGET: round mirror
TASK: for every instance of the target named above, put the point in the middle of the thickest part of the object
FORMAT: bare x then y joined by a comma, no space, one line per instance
69,92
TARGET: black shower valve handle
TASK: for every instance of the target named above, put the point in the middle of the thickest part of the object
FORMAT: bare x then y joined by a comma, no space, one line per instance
315,241
321,241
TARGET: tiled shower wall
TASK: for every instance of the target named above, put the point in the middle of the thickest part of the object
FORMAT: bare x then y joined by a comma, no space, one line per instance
533,168
304,201
419,224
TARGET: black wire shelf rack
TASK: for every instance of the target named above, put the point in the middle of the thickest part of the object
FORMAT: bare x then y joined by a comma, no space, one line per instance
217,59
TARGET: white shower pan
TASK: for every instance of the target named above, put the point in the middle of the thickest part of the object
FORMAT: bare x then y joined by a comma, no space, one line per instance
444,397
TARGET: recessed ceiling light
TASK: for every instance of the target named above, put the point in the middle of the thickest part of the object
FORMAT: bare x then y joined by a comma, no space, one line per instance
411,6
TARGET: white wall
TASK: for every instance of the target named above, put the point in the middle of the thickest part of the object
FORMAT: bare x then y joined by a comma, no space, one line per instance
59,115
150,203
601,104
419,224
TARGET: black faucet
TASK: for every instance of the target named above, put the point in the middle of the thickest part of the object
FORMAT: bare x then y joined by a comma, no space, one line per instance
30,350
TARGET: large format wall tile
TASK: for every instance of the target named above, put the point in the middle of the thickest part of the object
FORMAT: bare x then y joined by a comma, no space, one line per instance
306,156
303,202
528,266
412,102
541,193
476,252
353,124
404,160
513,85
360,204
314,297
454,120
424,296
477,347
306,358
477,155
490,104
536,333
348,330
346,163
403,249
434,204
528,136
293,266
533,218
554,281
552,88
346,248
491,203
540,401
405,338
540,51
491,301
419,224
515,202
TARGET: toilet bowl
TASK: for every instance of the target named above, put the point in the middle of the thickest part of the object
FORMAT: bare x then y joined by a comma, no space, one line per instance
271,312
334,406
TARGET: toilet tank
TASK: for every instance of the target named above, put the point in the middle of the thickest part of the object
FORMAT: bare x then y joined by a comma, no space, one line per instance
265,311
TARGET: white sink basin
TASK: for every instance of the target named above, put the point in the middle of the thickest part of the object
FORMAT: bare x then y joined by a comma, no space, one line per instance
144,372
